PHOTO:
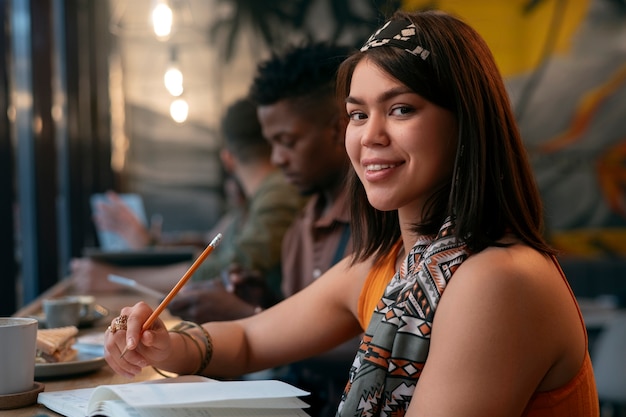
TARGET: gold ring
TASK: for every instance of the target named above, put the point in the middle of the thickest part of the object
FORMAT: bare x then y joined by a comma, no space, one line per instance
119,323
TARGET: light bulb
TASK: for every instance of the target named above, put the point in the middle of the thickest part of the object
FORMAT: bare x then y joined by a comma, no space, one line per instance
162,18
173,80
179,110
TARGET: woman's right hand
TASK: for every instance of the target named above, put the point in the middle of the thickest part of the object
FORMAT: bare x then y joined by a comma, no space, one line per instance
143,349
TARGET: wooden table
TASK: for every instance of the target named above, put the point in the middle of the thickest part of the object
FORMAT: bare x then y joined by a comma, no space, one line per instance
113,302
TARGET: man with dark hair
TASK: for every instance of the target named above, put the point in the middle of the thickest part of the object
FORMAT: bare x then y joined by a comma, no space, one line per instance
300,117
295,96
271,203
297,108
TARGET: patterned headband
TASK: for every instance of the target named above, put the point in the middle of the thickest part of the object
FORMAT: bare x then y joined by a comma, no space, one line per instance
398,33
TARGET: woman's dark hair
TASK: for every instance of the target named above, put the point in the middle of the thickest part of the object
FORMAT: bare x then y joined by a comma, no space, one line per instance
492,190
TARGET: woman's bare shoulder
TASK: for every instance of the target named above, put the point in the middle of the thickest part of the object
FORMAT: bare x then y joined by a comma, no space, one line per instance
517,296
516,261
515,285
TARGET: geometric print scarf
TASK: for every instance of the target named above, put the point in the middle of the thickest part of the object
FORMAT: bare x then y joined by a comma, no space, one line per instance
395,344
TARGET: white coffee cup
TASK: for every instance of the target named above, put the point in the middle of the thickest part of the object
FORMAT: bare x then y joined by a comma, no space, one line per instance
18,338
63,311
87,305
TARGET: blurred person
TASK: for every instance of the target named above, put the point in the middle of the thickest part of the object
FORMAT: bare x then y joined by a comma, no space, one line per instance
465,309
297,108
112,214
252,236
294,93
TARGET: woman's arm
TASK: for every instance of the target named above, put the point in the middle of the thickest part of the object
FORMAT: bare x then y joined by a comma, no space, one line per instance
314,320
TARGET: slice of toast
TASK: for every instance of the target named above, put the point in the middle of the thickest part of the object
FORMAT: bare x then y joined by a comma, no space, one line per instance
51,340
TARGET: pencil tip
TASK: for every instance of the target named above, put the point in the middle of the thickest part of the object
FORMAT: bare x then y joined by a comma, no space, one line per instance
124,352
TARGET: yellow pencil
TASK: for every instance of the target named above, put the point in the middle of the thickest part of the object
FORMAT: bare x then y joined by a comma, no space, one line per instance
183,280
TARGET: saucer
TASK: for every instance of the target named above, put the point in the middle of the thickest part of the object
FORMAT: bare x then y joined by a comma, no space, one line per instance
21,399
89,320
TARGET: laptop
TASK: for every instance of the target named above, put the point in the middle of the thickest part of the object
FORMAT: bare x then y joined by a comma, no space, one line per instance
111,241
113,248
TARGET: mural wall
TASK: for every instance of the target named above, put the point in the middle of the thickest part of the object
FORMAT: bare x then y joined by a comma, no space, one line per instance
575,127
564,63
571,108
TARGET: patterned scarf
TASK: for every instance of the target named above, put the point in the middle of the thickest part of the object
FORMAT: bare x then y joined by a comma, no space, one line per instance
395,345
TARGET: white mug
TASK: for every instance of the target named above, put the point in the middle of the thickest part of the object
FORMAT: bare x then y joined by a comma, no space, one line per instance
18,338
63,311
87,305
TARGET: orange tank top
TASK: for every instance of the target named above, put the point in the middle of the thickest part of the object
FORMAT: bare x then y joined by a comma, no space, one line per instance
577,398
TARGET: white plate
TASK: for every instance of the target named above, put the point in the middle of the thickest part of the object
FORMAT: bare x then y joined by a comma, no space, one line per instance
90,358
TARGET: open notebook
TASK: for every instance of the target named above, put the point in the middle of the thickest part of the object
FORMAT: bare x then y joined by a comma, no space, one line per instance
188,396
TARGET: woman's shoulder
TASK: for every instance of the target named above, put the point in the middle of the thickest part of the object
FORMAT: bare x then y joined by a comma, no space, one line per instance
513,259
517,287
513,272
506,316
523,286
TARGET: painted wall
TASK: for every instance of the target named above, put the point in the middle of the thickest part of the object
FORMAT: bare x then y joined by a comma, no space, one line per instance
516,37
573,118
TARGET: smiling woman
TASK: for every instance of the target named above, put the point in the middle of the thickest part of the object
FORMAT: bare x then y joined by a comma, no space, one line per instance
468,311
380,113
434,144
